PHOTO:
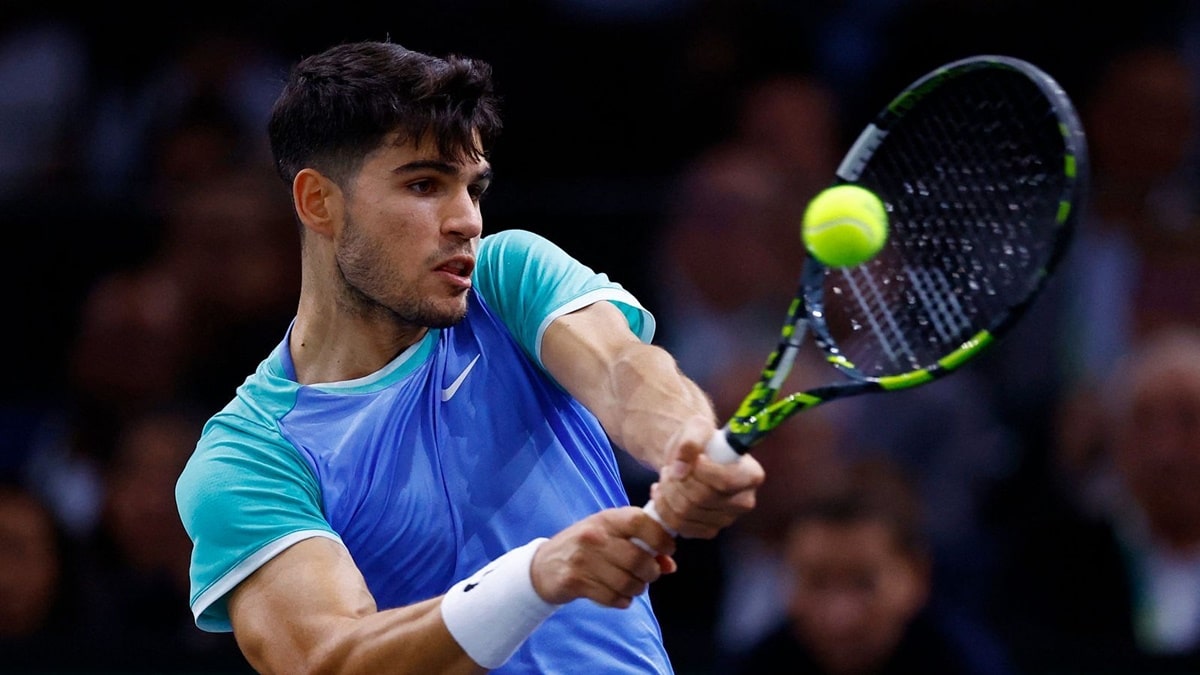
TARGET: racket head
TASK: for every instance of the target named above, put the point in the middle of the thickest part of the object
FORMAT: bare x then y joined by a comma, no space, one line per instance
982,167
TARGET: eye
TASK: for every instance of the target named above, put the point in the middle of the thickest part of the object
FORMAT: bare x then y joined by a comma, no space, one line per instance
423,187
477,190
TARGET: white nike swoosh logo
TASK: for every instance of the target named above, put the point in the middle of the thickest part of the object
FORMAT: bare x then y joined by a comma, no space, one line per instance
449,392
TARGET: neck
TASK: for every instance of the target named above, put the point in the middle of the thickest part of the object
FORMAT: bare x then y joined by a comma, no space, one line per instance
333,342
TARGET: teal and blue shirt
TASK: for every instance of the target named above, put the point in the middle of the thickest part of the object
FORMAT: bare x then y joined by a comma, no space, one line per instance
458,450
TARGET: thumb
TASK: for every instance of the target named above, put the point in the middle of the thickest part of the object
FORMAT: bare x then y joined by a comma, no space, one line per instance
687,445
677,469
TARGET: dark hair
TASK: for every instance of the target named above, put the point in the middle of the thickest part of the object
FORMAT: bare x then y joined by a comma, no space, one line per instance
873,490
340,105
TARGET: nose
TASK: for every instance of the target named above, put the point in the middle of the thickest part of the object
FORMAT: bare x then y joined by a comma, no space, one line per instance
463,216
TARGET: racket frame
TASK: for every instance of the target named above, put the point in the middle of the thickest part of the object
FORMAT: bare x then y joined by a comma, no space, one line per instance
761,411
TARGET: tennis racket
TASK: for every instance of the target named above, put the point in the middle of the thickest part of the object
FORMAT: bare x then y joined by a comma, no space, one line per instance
982,167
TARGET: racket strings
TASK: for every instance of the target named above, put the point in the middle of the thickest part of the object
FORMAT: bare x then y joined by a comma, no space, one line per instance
973,178
884,324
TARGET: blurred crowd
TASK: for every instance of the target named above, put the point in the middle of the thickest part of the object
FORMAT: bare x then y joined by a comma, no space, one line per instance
1036,513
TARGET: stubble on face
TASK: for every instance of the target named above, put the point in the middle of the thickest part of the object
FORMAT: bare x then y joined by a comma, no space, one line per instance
372,287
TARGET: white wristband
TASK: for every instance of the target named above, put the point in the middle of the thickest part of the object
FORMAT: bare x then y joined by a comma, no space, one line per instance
493,611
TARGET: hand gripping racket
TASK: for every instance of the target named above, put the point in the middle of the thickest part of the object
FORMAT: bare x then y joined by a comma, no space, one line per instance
982,166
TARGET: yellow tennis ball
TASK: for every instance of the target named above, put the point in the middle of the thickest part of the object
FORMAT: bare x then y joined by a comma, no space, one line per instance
845,225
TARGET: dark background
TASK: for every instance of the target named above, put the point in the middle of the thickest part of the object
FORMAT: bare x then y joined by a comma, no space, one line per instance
603,102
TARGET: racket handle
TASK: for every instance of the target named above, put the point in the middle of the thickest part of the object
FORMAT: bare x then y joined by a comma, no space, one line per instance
720,451
649,508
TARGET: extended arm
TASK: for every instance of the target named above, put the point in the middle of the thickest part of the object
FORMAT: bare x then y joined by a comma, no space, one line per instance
308,610
654,412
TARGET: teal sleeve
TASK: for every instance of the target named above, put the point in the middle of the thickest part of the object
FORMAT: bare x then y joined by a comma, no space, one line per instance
244,497
529,281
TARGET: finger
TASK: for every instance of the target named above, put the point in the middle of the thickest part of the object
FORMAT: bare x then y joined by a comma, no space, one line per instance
624,572
663,512
676,470
685,448
728,479
700,513
609,586
649,533
682,515
637,565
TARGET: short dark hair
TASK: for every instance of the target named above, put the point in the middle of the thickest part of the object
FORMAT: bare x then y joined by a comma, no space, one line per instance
872,490
341,104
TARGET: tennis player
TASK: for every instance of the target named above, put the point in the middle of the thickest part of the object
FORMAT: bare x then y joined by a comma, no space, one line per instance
421,476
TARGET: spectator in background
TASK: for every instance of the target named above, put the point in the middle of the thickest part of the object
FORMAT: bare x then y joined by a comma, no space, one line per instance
218,81
1130,270
733,592
726,265
136,581
729,250
1131,266
793,123
1110,583
131,349
729,261
801,458
43,88
960,454
1138,246
184,323
39,629
225,238
861,600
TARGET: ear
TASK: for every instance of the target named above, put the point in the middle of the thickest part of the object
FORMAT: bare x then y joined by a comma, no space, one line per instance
318,201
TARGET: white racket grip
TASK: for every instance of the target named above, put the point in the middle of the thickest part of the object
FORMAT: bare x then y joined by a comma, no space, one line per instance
649,508
720,451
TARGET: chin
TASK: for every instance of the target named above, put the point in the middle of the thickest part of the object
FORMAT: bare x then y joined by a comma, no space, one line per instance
448,318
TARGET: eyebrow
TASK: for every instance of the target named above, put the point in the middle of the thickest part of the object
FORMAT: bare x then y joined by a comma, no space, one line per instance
443,167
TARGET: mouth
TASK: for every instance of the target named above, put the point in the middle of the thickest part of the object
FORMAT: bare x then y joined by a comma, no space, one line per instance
460,267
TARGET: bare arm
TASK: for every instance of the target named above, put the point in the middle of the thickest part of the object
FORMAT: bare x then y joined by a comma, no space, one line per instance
635,389
653,411
308,610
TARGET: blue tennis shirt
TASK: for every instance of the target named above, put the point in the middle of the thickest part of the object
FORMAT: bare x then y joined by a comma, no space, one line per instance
458,450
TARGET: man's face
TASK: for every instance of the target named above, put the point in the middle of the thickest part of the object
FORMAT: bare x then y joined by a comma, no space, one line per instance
1158,448
855,592
412,222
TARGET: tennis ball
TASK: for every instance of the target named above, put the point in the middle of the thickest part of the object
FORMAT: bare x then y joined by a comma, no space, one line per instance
844,225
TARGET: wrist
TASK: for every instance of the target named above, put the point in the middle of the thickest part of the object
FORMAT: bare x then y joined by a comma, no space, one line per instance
492,612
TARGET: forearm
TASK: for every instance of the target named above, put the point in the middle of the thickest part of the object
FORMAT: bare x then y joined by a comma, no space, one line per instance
656,414
650,400
333,625
665,420
411,639
636,390
308,611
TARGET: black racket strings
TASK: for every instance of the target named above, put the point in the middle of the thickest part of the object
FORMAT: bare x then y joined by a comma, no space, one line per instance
972,177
